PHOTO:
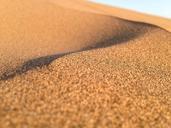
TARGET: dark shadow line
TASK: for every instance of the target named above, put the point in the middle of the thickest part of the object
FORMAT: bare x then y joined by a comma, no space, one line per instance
46,60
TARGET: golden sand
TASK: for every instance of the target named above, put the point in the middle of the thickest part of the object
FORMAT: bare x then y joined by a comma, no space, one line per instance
74,64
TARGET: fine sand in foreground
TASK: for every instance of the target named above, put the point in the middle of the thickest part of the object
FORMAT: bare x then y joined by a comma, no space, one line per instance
74,64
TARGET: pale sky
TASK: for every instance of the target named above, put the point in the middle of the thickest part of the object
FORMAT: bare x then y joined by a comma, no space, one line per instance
155,7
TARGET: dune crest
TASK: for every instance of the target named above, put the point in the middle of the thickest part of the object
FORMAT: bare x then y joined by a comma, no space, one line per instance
33,29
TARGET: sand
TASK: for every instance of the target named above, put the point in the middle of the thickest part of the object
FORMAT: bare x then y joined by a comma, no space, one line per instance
79,64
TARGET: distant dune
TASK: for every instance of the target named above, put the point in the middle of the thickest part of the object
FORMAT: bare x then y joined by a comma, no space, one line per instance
74,63
135,16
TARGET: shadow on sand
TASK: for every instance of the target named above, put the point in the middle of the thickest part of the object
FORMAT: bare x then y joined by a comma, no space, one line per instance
123,37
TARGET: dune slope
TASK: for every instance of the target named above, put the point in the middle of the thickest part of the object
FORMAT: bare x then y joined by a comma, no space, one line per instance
32,29
65,67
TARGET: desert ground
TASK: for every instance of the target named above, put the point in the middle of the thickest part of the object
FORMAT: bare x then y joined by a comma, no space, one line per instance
76,64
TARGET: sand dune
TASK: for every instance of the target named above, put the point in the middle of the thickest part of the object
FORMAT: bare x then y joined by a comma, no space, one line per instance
78,64
134,16
84,5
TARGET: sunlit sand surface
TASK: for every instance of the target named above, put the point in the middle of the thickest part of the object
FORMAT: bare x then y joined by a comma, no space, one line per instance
80,64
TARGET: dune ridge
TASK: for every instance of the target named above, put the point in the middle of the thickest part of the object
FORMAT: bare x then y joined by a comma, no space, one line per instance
76,64
26,25
132,15
126,14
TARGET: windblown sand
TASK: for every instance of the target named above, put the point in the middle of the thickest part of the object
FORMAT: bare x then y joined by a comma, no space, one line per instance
72,64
